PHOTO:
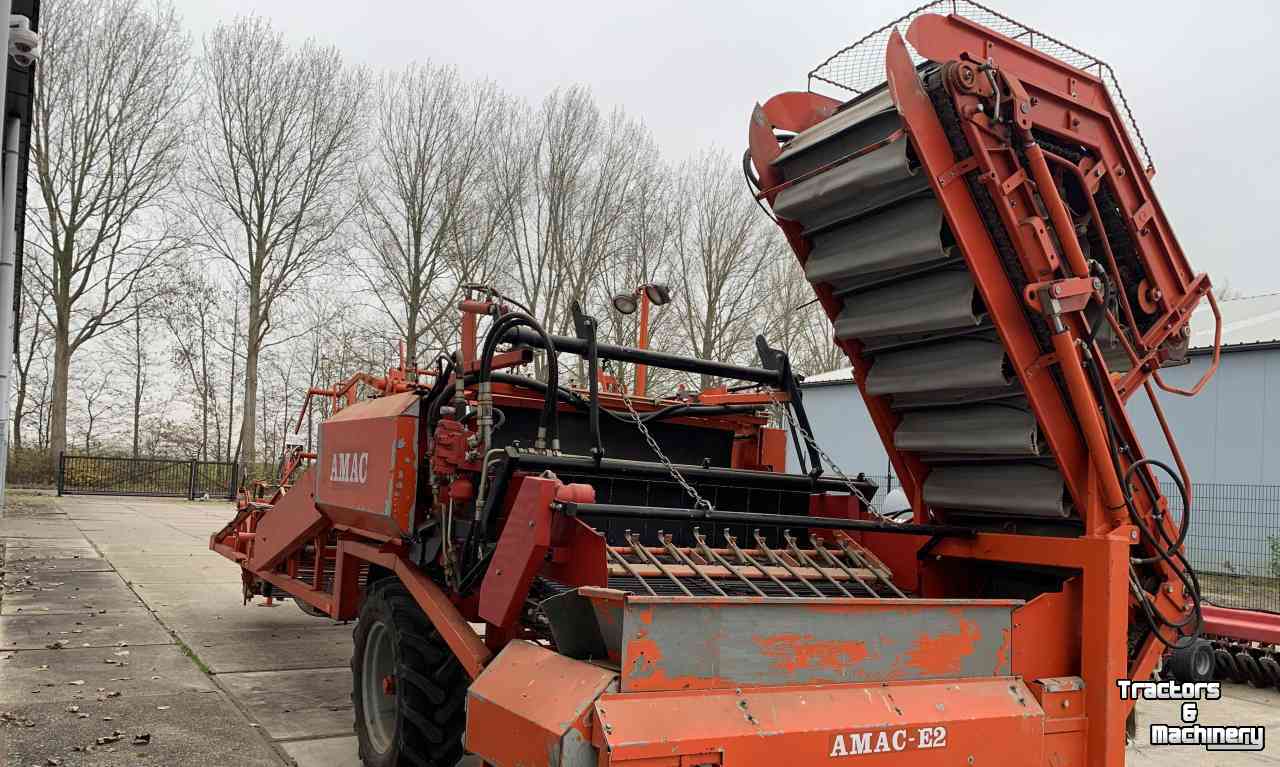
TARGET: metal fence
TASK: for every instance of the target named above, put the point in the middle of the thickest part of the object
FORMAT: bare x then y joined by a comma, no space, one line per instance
160,477
1233,543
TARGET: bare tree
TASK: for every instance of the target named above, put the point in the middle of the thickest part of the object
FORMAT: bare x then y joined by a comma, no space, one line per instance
646,256
721,251
189,311
107,134
793,320
33,343
424,224
564,176
280,125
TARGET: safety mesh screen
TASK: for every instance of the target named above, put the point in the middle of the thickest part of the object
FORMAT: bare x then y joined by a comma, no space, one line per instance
858,68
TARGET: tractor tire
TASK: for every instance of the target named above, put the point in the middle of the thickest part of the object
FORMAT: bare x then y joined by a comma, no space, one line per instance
1192,663
408,690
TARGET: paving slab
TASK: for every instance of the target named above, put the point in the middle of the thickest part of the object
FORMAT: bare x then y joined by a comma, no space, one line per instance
325,651
292,705
76,674
70,593
94,564
193,729
93,629
324,752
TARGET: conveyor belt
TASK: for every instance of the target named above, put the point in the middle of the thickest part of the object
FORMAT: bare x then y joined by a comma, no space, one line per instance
881,243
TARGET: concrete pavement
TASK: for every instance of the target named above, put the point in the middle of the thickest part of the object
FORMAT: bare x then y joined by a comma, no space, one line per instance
123,640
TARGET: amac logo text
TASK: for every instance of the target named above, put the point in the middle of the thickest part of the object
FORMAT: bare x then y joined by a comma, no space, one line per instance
349,467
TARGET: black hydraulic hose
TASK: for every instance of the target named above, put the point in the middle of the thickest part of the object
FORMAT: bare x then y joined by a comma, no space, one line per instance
548,422
568,397
1172,556
1184,525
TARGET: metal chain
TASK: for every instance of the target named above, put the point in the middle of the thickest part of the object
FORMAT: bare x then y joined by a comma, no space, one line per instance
835,468
698,500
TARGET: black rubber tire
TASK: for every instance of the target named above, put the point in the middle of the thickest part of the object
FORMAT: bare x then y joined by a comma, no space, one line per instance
1193,663
430,684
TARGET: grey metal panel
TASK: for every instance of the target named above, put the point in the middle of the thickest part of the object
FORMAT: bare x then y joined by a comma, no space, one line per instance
850,129
1021,490
905,236
970,430
955,365
936,302
746,642
853,188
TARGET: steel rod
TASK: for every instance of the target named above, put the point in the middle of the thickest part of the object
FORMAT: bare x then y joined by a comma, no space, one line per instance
754,518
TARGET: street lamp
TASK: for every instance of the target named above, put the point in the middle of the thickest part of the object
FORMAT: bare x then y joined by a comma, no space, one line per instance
645,294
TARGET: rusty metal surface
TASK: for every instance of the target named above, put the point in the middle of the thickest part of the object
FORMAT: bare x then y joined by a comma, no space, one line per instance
678,643
953,722
533,706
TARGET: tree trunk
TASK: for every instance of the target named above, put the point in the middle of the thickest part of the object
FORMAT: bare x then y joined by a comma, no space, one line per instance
58,408
204,392
249,417
19,403
138,362
411,341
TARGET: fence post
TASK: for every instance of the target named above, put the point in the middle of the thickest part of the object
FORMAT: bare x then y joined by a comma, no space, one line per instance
191,482
62,470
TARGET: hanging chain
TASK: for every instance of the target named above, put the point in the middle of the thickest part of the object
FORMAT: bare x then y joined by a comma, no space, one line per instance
698,500
835,468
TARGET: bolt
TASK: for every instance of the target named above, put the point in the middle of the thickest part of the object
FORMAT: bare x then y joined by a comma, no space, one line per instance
1066,704
1024,107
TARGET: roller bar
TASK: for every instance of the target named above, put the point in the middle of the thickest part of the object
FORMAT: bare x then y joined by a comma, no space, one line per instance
774,378
744,518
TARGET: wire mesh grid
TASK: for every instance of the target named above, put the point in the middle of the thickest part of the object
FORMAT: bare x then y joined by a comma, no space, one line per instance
1233,543
859,67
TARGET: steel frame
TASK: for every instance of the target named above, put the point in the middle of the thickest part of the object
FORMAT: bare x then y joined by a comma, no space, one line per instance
1050,97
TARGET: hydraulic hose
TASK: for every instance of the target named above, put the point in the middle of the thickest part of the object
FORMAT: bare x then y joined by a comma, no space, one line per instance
548,421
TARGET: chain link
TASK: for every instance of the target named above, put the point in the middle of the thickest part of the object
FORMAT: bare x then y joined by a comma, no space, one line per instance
698,500
835,468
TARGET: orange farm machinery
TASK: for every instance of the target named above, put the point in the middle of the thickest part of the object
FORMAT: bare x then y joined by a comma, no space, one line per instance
552,575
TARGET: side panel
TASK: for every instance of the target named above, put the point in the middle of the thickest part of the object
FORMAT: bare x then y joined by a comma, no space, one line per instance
699,643
532,706
291,521
956,722
368,464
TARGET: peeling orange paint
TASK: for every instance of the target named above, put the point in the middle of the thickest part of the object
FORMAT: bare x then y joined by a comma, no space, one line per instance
792,653
944,653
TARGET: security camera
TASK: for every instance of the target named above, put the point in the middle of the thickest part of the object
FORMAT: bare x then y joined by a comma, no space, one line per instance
24,45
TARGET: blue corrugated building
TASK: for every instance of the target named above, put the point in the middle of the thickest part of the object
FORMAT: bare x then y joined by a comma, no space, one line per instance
1229,435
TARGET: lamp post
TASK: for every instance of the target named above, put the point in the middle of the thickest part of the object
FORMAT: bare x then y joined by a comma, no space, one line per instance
626,303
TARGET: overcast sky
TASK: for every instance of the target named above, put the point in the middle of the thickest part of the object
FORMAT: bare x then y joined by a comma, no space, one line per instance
1202,78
